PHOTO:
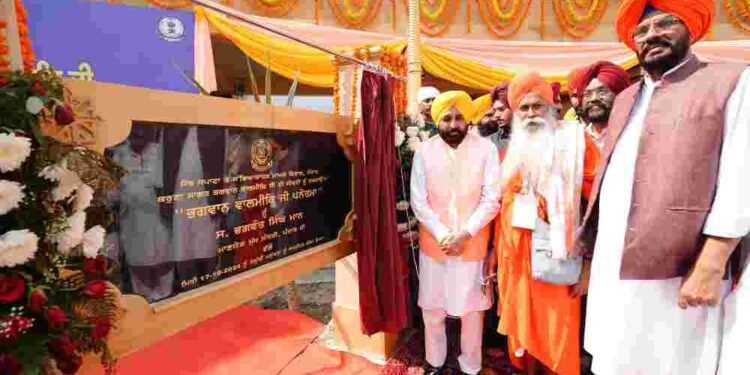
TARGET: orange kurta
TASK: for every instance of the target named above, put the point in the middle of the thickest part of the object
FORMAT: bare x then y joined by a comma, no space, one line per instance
537,316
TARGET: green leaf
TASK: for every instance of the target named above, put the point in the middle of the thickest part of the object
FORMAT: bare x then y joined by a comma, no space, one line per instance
253,82
268,77
293,90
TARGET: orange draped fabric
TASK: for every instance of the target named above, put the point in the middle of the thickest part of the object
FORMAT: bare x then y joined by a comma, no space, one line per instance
539,317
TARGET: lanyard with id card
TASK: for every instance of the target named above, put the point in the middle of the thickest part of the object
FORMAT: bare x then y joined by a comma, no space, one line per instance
525,209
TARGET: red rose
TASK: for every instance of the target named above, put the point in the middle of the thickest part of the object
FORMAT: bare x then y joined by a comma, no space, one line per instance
56,317
37,301
64,115
12,288
63,347
3,81
101,328
9,364
70,366
95,288
37,89
96,266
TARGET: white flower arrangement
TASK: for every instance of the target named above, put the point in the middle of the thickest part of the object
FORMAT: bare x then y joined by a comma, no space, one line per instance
17,247
412,131
73,235
424,135
402,205
400,137
83,197
11,196
67,180
13,151
93,241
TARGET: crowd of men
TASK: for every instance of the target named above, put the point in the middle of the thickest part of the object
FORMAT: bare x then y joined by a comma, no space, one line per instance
636,198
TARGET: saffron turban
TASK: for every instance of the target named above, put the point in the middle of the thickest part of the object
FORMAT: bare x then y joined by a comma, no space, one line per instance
574,81
524,84
500,92
482,104
427,93
610,74
697,15
449,99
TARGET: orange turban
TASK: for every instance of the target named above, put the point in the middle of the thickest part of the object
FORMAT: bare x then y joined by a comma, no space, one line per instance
697,15
482,104
523,84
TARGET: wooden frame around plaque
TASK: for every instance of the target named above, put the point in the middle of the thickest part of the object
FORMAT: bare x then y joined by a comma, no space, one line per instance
116,107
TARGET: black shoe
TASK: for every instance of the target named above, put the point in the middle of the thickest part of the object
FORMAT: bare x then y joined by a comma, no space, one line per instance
430,370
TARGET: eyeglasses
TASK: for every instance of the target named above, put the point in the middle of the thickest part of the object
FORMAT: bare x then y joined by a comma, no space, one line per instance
659,24
601,92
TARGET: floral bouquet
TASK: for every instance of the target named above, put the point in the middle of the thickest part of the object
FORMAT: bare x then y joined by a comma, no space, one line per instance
56,301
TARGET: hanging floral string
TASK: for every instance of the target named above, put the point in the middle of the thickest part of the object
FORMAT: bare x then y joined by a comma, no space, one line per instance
393,16
504,18
317,12
738,12
541,20
579,18
273,8
171,4
27,50
396,63
336,87
4,48
355,14
435,16
468,16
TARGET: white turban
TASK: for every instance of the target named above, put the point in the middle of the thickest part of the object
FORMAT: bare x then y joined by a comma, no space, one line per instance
427,93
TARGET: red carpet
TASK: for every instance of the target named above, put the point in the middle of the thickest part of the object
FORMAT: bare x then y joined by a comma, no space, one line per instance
246,340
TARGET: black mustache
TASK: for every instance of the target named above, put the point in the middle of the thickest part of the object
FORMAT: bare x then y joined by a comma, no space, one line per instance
595,104
657,43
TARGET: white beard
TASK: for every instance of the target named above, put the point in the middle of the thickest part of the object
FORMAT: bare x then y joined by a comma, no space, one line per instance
527,149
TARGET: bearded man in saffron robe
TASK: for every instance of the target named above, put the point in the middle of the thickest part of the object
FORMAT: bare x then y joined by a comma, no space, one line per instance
547,171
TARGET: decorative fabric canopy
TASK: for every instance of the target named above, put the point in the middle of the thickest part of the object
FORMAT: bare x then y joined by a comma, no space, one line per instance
478,64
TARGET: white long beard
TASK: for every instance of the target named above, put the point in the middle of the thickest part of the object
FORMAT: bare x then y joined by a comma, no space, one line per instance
528,149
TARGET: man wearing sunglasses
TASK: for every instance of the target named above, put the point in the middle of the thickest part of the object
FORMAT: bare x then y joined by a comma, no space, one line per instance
670,203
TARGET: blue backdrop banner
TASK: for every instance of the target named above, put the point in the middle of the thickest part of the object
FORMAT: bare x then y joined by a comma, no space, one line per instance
130,45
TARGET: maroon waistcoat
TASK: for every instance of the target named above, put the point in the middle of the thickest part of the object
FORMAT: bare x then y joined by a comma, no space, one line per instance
675,172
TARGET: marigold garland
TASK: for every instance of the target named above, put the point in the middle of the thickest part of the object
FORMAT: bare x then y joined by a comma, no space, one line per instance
738,13
4,49
27,50
317,12
504,18
171,4
273,8
355,14
336,85
579,18
395,62
435,16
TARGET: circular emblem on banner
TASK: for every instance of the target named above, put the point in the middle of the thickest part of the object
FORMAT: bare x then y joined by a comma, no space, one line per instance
171,28
261,154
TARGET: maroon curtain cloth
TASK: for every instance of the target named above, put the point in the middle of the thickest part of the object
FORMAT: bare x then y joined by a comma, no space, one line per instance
383,291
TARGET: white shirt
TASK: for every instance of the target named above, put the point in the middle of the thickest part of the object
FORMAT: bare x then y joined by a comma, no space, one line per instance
487,209
635,326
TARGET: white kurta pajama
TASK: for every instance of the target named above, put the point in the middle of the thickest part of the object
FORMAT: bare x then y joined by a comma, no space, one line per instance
635,326
453,287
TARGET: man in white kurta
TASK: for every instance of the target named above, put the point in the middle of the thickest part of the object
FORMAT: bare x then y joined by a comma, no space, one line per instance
637,326
454,195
